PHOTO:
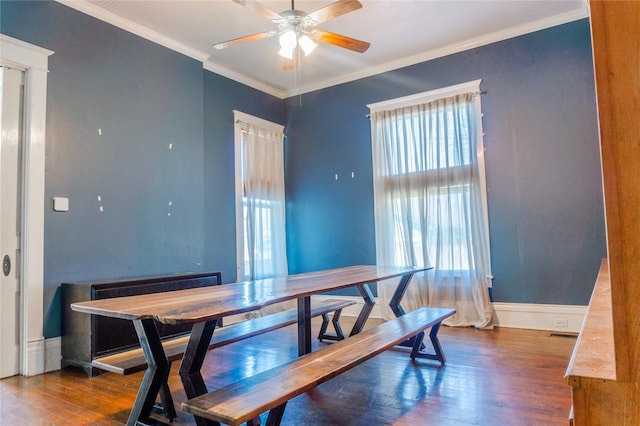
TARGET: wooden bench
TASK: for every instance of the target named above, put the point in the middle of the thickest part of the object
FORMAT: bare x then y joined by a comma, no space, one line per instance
245,400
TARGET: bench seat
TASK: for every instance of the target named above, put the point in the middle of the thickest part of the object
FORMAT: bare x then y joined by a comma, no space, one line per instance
245,400
133,360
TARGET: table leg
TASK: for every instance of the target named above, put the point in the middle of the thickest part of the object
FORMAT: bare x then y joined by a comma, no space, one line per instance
401,289
166,400
399,311
156,374
304,325
192,361
369,301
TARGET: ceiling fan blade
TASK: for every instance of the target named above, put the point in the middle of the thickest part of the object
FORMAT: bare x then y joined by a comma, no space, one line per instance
262,10
334,10
258,36
339,40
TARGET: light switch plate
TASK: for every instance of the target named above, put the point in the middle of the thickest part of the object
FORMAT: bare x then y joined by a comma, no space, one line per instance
60,204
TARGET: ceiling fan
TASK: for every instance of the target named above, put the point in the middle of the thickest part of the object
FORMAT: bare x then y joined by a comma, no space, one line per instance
296,28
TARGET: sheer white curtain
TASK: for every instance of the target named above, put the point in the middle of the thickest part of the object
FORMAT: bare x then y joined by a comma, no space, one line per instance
430,202
260,199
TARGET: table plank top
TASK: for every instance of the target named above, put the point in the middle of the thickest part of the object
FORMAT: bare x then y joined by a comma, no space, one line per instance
206,303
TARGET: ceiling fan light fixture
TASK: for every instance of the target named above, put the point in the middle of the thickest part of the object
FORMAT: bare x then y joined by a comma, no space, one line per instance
288,42
307,44
296,28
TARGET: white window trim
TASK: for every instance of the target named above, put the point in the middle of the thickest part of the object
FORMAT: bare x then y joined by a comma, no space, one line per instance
240,119
425,97
34,61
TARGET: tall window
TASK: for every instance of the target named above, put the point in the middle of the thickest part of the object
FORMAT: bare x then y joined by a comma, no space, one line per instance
430,198
260,198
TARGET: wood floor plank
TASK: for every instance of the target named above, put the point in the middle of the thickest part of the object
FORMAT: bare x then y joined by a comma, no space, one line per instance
501,376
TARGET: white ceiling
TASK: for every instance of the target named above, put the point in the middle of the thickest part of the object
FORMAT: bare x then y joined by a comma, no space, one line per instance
401,33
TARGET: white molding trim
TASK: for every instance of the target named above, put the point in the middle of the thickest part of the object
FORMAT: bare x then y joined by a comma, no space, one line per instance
509,315
52,354
449,50
558,318
35,351
425,97
144,32
34,61
240,117
243,79
46,354
130,26
170,43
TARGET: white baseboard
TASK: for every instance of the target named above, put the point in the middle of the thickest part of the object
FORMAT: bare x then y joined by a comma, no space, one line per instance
559,318
52,354
34,364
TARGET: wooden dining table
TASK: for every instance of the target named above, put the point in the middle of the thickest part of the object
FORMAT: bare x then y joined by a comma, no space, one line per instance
203,307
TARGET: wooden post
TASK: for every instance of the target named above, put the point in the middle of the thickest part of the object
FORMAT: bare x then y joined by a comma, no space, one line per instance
604,371
615,27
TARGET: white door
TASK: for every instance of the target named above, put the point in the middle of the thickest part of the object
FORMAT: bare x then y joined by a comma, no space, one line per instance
11,107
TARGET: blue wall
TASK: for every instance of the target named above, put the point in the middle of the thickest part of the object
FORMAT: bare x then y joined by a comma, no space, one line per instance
542,157
143,97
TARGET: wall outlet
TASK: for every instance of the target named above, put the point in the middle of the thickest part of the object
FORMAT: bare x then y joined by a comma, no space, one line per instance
561,322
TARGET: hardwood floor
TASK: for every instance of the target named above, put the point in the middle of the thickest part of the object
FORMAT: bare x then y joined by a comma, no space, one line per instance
498,377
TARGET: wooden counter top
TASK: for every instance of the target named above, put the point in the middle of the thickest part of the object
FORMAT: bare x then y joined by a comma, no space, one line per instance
594,353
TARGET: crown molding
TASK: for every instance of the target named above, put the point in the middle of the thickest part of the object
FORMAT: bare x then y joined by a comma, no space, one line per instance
142,31
134,28
241,78
451,49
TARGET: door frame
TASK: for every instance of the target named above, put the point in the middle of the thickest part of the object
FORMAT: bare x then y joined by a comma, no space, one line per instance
34,61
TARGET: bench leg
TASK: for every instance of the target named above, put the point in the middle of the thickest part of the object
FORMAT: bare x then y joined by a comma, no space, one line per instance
433,335
323,328
254,422
192,361
275,415
336,326
304,325
416,342
416,351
